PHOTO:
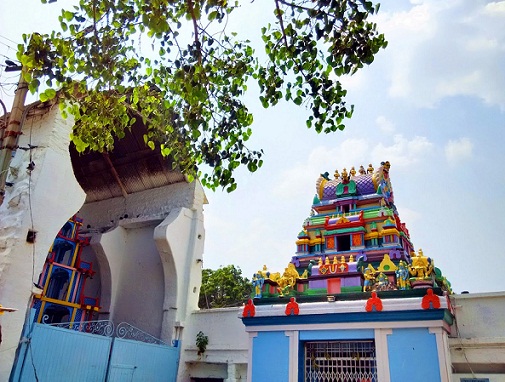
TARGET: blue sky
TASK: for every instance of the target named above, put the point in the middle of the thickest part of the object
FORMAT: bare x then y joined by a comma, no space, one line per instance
432,103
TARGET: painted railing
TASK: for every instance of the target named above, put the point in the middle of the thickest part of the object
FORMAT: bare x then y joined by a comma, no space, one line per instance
106,328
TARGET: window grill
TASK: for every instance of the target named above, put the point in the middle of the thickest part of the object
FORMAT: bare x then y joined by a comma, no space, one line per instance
340,361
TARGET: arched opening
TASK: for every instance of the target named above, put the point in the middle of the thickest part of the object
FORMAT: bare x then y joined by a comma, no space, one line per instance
54,314
67,230
63,252
58,285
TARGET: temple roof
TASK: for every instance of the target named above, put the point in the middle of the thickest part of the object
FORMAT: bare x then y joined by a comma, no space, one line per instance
364,186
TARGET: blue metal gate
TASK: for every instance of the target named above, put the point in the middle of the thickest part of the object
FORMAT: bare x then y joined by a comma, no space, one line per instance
145,362
93,351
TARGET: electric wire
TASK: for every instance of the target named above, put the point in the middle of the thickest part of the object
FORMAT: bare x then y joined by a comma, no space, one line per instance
32,227
8,39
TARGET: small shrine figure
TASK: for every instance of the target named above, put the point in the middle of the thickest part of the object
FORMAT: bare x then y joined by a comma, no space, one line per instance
264,272
421,267
369,275
326,175
386,165
446,285
327,260
320,261
287,280
336,175
353,171
361,170
370,169
402,276
309,267
382,281
257,281
343,266
351,259
335,261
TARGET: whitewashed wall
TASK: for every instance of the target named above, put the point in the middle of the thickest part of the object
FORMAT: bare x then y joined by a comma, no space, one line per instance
227,352
477,340
42,200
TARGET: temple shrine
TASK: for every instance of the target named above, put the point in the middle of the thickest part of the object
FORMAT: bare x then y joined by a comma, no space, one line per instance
63,279
356,298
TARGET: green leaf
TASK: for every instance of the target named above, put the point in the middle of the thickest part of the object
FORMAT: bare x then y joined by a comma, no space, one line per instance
50,93
192,97
33,86
212,15
68,15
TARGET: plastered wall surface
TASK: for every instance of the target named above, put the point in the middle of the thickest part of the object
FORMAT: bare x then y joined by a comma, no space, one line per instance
33,202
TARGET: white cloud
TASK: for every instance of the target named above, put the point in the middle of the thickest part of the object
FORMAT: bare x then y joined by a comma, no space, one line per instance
402,152
302,177
442,49
385,125
495,8
482,44
458,150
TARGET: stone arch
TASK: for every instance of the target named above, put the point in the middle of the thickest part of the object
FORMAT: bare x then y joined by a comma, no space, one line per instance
179,239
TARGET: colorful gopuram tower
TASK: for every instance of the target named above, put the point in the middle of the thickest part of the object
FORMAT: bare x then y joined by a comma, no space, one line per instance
63,279
353,241
355,303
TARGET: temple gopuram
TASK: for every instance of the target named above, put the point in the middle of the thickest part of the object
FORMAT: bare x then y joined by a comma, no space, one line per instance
356,299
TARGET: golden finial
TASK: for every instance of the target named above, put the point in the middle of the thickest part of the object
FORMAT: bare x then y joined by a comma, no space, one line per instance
353,171
342,259
344,175
336,175
370,169
351,258
335,260
327,260
320,262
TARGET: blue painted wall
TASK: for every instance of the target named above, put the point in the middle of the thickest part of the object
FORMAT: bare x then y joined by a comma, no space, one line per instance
413,356
270,360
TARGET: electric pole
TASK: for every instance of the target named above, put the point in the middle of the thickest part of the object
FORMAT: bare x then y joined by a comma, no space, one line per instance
11,133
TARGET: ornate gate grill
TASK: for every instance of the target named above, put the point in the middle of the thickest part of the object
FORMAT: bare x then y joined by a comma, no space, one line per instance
94,351
340,361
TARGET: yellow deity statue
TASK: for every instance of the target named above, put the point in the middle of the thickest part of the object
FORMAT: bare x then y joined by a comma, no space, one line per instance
421,267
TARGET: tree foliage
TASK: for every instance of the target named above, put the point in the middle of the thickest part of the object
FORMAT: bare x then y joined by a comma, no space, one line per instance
223,287
173,64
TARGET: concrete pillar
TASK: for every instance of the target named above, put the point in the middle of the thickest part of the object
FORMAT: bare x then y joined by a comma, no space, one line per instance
233,373
179,239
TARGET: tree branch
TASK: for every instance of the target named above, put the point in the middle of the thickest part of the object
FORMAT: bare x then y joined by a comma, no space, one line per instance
281,23
195,29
